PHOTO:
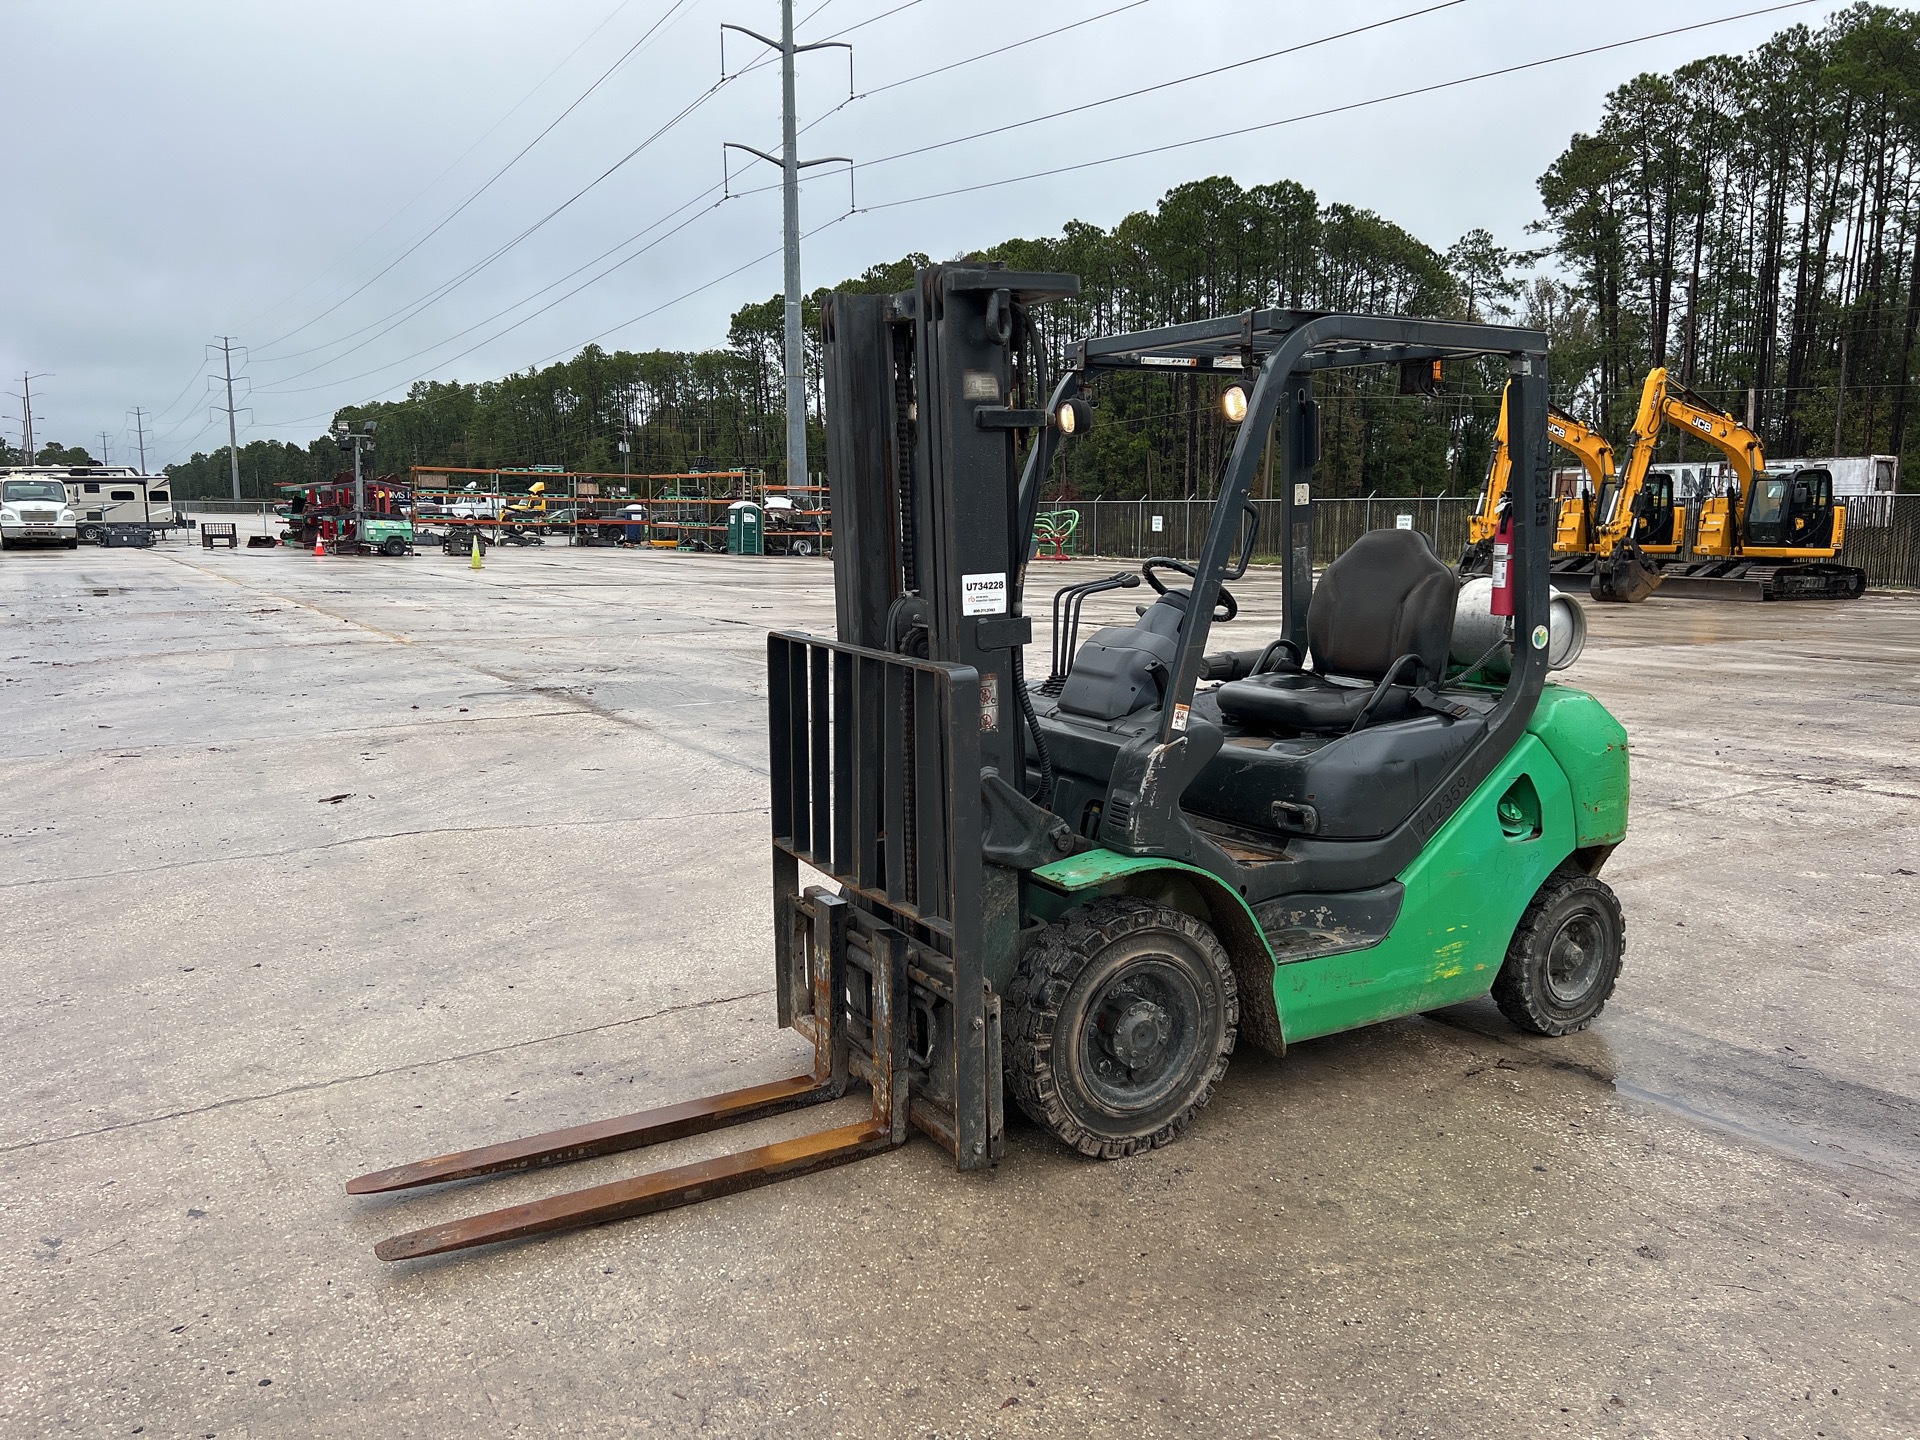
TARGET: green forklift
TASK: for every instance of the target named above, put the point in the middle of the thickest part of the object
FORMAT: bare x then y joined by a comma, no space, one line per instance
1086,892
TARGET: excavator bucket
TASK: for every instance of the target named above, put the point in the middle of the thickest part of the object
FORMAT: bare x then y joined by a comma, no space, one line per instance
1624,577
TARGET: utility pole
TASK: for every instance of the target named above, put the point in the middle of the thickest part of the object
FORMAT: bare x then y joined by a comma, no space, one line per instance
233,433
104,437
791,165
26,412
626,446
140,435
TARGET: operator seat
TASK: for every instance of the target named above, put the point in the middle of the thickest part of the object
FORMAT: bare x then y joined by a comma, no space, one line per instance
1382,612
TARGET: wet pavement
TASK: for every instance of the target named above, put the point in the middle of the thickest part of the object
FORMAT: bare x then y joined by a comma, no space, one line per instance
313,866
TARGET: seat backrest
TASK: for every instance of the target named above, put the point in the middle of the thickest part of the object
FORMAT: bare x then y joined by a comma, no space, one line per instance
1388,595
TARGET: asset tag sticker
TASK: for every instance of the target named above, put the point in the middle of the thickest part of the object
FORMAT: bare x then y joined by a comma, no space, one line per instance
984,594
1539,637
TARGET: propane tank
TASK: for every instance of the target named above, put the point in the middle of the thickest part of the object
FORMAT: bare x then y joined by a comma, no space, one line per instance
1477,629
1502,604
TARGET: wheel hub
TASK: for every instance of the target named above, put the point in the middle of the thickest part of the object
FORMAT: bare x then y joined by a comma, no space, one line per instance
1137,1034
1573,959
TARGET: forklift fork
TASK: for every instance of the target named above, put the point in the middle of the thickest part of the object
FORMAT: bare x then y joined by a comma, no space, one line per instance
881,1063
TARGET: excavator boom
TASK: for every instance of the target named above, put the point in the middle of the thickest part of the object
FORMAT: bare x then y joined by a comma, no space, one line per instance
1586,444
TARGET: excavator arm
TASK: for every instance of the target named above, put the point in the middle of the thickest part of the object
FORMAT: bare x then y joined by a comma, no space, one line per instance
1621,571
1587,445
1663,402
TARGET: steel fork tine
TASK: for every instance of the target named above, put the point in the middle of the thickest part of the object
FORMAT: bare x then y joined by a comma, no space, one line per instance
604,1137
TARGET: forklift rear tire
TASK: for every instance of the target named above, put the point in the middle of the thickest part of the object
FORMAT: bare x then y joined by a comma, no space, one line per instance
1121,1018
1564,957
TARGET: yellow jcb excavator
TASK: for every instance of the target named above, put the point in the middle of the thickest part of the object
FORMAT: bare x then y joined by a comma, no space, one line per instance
1768,537
1587,445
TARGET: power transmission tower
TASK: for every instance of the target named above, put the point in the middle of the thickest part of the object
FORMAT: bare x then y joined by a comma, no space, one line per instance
140,435
791,165
104,437
226,347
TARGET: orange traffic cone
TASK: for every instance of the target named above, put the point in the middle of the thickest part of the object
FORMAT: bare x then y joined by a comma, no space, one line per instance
319,545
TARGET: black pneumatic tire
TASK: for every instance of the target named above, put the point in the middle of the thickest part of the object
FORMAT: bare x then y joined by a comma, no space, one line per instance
1565,956
1117,981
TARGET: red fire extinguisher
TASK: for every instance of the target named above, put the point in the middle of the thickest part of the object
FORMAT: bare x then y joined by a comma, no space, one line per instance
1502,603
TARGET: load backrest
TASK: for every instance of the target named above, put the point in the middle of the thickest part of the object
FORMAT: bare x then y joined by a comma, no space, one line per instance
1388,595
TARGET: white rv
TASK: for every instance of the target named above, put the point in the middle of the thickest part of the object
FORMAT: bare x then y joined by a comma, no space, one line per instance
103,495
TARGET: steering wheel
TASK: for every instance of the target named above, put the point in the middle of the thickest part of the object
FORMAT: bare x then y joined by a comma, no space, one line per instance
1228,607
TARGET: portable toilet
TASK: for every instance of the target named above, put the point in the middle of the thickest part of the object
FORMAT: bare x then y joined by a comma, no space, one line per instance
746,529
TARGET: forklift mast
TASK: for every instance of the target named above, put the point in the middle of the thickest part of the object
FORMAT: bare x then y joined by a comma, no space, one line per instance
923,423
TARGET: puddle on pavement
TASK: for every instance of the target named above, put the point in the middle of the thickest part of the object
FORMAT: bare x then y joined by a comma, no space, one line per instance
1779,1101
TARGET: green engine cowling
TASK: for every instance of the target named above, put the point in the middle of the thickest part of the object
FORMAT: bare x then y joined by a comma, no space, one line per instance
1559,797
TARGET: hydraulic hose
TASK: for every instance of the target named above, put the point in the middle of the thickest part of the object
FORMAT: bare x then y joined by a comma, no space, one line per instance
1044,797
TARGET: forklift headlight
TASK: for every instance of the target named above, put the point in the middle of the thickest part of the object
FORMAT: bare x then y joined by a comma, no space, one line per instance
1233,404
1074,417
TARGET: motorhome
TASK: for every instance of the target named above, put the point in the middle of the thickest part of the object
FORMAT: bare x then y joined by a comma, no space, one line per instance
104,495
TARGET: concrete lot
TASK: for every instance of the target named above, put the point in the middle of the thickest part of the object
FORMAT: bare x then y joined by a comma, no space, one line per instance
312,866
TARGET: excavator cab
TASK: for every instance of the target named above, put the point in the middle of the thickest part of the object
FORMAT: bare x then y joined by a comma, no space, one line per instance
1656,519
1793,511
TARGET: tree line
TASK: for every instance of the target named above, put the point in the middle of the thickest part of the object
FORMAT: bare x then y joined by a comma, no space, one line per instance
1753,222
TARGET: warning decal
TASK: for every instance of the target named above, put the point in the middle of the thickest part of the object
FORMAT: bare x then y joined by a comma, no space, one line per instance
984,594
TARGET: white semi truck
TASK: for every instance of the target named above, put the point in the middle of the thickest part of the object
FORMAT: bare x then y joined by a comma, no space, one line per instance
34,511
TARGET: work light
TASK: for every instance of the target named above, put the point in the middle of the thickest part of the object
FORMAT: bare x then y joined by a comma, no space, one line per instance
1233,404
1074,417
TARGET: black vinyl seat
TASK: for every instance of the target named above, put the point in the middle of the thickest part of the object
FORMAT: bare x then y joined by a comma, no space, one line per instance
1382,612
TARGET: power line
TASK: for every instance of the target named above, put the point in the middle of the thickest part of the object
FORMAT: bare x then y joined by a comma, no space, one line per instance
1166,84
350,379
428,187
1318,114
487,184
1354,105
689,294
415,307
970,60
1175,145
1050,34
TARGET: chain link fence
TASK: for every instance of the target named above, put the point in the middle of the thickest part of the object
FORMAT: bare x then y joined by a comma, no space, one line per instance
1135,529
1883,535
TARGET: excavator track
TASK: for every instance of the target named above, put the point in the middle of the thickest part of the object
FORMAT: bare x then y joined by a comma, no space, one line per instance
1742,579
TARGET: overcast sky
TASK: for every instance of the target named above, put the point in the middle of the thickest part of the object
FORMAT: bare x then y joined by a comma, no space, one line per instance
176,170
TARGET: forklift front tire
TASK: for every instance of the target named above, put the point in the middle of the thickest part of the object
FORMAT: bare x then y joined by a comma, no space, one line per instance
1564,957
1121,1017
